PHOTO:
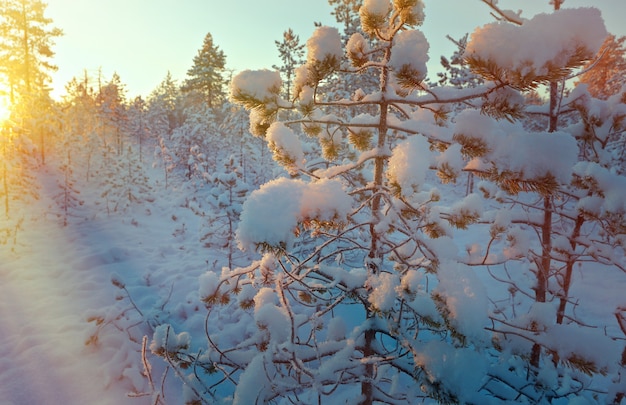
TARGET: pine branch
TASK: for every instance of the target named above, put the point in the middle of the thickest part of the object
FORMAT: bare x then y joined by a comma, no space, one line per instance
501,15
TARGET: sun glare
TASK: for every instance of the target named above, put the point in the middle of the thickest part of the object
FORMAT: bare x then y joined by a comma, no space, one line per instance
5,109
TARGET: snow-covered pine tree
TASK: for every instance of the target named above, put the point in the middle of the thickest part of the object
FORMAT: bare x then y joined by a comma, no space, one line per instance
165,158
126,183
291,52
68,160
138,125
196,142
165,109
80,117
383,308
206,77
378,310
227,191
113,115
563,161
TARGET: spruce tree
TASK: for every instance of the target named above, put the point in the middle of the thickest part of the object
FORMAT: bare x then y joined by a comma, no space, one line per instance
206,76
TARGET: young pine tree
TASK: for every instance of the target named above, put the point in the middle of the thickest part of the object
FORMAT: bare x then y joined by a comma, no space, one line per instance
291,52
344,304
206,76
546,180
361,294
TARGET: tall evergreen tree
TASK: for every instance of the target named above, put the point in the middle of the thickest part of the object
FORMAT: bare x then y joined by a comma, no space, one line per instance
80,117
26,46
206,76
138,123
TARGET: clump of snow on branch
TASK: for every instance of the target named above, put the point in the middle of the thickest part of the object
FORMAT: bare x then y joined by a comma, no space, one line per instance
465,299
509,147
325,200
300,83
565,35
262,85
209,283
373,14
450,162
382,290
165,339
409,164
606,183
357,49
271,214
285,144
268,216
375,7
410,53
536,155
270,316
410,14
325,43
253,383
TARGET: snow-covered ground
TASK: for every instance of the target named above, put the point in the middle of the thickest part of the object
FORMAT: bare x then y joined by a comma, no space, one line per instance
49,282
68,335
76,300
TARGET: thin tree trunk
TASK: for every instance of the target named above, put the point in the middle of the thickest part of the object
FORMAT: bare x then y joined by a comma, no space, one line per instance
375,256
543,269
569,268
367,389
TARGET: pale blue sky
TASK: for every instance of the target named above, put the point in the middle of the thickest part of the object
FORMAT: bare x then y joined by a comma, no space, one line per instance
143,39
